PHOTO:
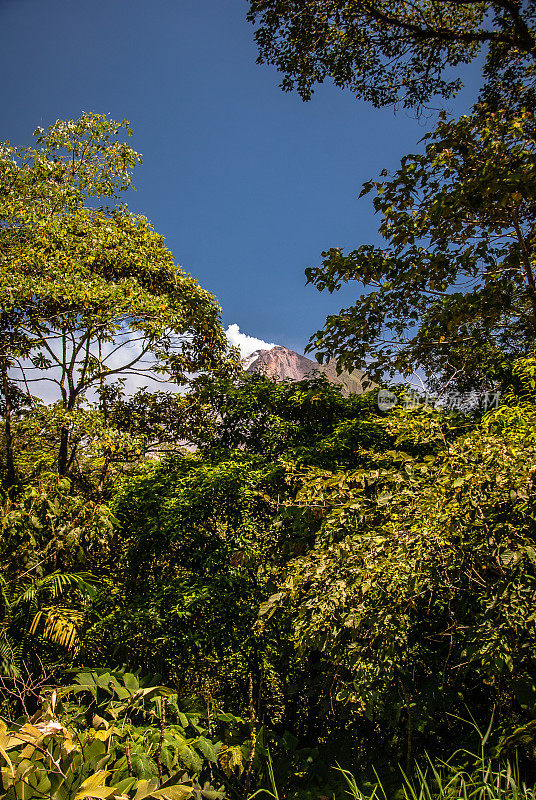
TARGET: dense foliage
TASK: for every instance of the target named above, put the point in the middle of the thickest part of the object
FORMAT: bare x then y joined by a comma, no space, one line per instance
231,588
390,51
452,293
108,734
356,592
419,589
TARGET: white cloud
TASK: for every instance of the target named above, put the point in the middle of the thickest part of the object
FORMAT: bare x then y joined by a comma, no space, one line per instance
246,344
126,346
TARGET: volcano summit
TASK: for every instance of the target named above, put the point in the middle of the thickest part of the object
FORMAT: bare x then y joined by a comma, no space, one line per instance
284,364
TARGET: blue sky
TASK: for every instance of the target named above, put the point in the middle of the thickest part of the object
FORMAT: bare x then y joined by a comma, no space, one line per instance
247,184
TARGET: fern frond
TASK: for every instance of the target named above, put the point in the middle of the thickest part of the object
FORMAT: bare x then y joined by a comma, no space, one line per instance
55,585
27,596
57,582
10,657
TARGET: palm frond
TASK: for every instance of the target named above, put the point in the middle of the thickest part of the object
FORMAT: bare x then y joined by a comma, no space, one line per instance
60,625
55,585
10,657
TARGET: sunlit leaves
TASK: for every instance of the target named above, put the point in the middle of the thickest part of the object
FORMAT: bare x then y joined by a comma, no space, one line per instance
90,292
422,577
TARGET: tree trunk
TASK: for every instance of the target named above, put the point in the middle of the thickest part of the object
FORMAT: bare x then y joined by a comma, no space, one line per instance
63,452
8,434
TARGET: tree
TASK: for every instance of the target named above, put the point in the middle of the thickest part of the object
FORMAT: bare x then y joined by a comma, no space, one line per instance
417,592
389,51
90,292
201,534
306,421
453,291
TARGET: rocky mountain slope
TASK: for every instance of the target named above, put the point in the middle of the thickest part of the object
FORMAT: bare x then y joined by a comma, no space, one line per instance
282,363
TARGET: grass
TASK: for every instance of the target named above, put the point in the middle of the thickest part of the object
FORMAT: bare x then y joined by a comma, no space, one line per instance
464,776
481,778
